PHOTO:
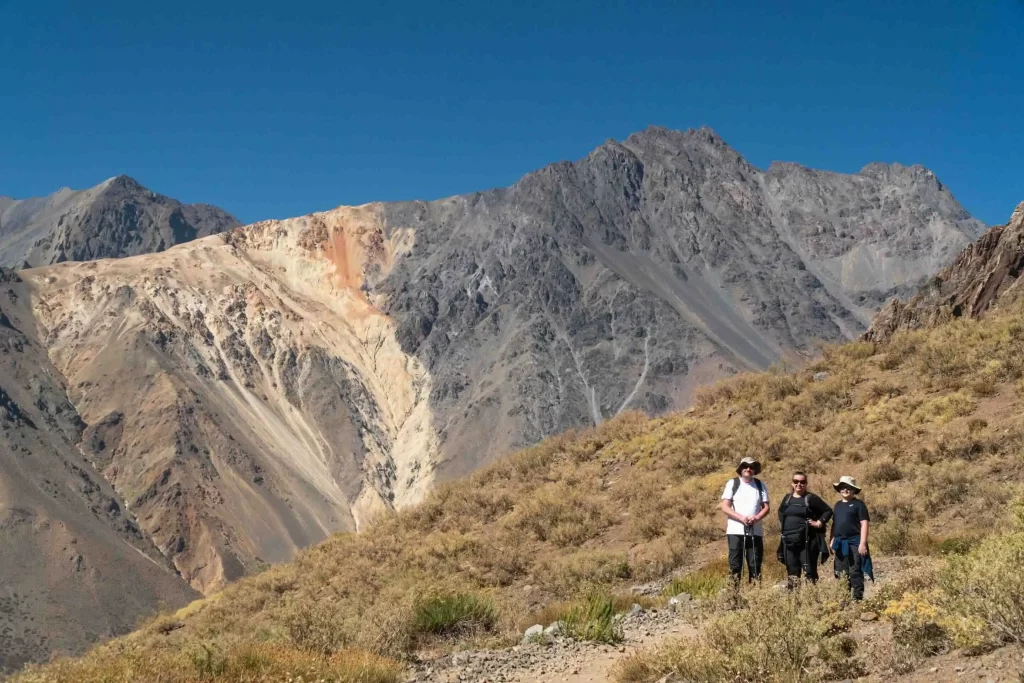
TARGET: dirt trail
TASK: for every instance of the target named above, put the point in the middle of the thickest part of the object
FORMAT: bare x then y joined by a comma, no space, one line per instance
561,659
564,660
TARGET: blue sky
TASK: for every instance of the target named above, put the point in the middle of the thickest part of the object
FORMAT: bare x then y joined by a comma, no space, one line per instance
279,109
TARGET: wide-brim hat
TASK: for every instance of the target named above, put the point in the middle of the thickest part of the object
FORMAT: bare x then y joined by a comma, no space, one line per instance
847,481
749,461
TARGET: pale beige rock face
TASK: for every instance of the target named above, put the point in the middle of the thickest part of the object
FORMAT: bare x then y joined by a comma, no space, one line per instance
244,395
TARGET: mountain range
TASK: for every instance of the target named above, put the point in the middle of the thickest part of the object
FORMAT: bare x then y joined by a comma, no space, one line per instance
254,389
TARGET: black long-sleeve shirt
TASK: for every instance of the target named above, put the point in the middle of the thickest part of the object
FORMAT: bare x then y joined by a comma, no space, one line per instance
794,512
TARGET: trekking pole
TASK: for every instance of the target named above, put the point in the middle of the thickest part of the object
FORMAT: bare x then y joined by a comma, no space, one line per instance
807,549
748,560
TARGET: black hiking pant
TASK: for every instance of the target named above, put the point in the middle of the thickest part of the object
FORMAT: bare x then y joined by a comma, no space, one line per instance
753,549
797,560
850,564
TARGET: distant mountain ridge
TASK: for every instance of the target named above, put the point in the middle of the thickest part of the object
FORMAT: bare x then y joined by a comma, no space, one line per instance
117,218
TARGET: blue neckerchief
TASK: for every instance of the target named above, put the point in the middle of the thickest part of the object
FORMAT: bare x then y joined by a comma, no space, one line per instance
844,546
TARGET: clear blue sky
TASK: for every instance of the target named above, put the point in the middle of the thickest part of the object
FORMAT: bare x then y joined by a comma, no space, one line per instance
278,109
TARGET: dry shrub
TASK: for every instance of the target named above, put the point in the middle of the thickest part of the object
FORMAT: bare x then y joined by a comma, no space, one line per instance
987,585
884,473
780,636
567,575
557,512
242,663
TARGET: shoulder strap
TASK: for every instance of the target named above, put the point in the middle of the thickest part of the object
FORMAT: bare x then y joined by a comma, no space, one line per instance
785,502
760,488
735,486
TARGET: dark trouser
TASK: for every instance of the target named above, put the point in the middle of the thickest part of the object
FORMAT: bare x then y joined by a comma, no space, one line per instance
797,560
753,548
850,565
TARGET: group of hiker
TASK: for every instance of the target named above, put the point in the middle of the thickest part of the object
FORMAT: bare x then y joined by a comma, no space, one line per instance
804,519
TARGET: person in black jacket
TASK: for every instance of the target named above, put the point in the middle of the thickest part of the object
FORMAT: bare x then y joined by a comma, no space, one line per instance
803,517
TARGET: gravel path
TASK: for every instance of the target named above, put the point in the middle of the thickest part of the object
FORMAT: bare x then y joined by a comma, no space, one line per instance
561,659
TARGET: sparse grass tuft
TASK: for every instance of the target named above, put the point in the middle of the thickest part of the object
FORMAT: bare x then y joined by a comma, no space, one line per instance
594,619
701,584
453,615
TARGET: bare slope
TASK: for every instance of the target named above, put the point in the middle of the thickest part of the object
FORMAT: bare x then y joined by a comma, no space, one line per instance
116,218
243,395
75,567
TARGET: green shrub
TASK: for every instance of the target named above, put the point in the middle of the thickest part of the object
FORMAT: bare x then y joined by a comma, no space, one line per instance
699,584
594,619
454,615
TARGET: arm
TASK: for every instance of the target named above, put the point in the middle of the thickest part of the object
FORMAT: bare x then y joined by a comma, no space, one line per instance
863,547
765,508
822,512
727,508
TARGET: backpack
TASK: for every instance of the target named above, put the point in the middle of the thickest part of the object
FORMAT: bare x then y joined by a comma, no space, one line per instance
757,483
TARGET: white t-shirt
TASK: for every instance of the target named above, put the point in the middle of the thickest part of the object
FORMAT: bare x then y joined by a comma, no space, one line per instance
746,502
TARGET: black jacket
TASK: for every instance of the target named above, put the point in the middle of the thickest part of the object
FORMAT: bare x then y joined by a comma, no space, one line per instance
818,510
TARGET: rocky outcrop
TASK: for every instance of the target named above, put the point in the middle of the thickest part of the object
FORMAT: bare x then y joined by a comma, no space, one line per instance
116,218
984,273
75,566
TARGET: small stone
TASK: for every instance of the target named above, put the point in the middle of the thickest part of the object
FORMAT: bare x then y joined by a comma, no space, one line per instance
533,634
554,629
868,616
636,610
820,376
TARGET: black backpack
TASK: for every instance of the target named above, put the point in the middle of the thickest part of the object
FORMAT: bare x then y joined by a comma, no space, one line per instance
757,483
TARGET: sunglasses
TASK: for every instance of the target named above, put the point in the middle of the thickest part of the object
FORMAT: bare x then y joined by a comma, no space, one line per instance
800,482
747,467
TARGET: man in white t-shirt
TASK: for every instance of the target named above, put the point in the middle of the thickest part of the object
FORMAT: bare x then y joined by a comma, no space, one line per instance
745,503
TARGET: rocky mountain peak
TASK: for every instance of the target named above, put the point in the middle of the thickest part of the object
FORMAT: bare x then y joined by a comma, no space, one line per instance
119,217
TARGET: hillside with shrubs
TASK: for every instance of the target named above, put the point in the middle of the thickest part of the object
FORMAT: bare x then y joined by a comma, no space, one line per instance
931,422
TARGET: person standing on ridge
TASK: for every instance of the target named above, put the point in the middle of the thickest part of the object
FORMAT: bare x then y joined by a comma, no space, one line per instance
745,503
803,517
850,536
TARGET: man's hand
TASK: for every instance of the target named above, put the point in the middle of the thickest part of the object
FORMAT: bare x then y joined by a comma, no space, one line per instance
816,523
863,549
749,520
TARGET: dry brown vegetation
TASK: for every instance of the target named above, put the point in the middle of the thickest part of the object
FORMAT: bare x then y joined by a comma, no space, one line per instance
931,422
